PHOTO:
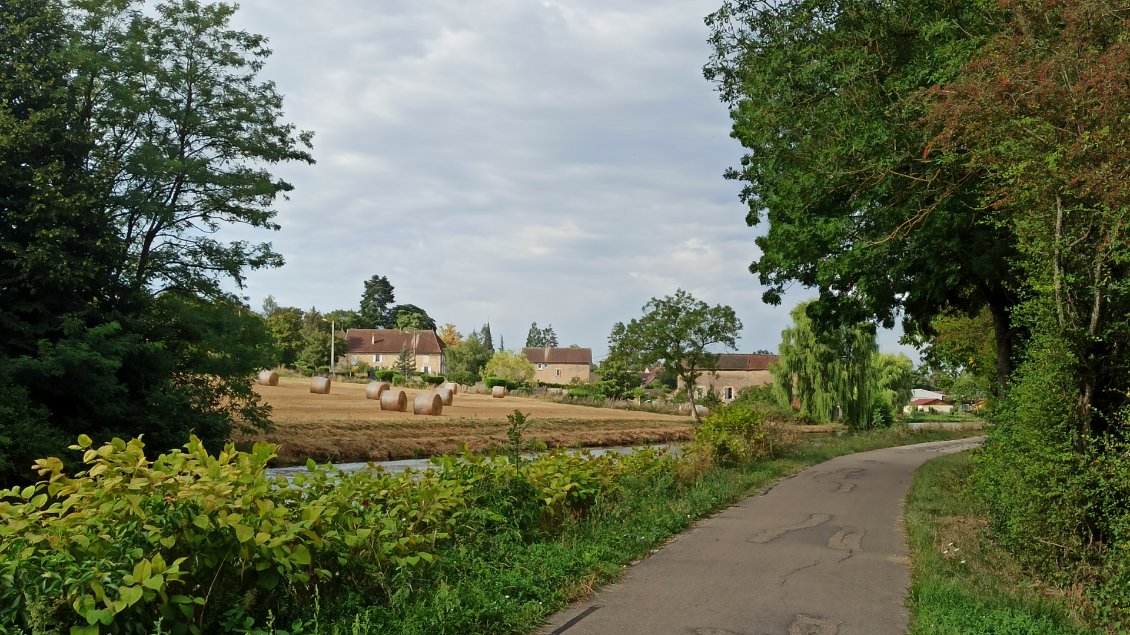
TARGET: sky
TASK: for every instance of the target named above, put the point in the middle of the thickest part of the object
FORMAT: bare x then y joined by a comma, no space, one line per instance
509,161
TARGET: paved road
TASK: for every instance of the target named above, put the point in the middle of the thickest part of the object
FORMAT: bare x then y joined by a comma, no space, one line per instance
819,554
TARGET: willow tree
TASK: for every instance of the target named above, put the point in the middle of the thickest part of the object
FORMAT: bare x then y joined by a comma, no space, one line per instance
831,373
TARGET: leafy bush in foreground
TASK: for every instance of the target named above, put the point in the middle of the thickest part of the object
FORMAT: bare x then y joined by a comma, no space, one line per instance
206,543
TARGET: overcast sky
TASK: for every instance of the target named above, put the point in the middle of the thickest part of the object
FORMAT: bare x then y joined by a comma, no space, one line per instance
509,161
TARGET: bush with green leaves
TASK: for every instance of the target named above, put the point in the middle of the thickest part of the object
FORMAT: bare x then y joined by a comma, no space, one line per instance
733,435
385,374
205,543
432,380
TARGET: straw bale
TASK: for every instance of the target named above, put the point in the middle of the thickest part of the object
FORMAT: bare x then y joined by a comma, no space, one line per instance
320,385
453,386
447,395
498,392
268,378
375,388
427,403
394,400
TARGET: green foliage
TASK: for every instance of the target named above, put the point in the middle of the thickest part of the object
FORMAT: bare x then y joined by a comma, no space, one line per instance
676,331
733,436
130,137
491,382
406,362
385,374
963,582
409,317
200,542
828,100
541,338
519,423
433,380
466,361
376,304
832,372
513,367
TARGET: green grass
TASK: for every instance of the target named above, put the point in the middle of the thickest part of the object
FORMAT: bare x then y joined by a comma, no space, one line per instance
962,582
510,583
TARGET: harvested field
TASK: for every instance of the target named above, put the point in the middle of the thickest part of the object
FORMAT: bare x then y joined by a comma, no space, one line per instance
344,426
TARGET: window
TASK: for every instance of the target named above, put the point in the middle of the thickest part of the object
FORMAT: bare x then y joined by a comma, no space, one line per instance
376,359
728,393
427,370
542,366
558,372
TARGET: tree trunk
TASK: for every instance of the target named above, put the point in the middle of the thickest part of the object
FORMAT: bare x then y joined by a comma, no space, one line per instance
1002,332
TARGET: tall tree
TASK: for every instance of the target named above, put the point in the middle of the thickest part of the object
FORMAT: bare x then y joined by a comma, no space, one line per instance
484,335
466,361
130,138
377,303
1042,112
183,127
449,335
409,317
826,97
831,373
678,332
541,337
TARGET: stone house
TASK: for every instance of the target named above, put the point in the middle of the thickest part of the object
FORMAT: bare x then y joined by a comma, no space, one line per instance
560,365
380,348
735,371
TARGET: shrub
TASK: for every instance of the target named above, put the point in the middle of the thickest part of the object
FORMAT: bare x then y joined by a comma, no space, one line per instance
202,543
733,435
491,382
433,380
385,374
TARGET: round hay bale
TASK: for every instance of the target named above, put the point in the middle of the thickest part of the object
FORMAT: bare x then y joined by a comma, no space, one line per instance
498,392
320,385
427,403
395,400
446,395
453,386
375,388
702,410
268,378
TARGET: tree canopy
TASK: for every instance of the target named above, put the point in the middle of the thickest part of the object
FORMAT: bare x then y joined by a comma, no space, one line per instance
677,331
131,138
541,337
828,99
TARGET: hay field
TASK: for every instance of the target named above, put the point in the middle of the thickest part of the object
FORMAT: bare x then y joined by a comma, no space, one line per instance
344,426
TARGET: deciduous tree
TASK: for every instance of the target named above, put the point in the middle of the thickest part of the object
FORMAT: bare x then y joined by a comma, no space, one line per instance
678,332
510,366
827,98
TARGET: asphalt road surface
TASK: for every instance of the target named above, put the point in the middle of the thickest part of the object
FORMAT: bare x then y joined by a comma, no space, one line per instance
822,553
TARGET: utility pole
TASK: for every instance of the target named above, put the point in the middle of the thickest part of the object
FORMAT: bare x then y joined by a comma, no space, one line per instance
333,333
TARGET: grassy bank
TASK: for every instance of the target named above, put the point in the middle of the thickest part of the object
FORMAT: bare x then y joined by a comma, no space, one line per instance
510,582
963,583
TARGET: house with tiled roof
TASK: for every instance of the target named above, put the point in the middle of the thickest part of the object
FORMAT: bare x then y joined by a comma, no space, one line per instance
560,365
928,404
380,348
735,371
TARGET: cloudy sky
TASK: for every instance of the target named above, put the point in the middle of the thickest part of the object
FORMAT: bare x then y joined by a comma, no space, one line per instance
510,161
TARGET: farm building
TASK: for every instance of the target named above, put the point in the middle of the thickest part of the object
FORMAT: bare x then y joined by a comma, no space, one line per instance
736,371
929,405
560,365
380,348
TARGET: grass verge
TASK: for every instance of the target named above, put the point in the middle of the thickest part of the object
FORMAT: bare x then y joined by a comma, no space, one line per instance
511,582
962,582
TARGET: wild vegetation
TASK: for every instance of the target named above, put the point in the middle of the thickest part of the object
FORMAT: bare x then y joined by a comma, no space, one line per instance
196,542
